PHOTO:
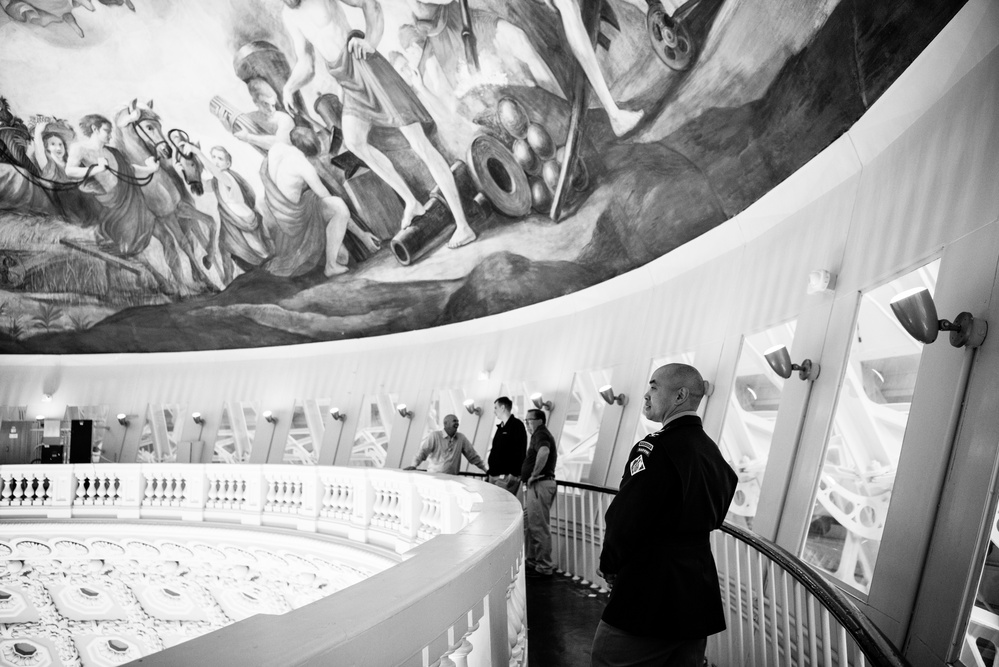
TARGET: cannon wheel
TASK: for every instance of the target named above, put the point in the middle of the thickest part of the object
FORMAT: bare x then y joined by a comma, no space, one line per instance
670,38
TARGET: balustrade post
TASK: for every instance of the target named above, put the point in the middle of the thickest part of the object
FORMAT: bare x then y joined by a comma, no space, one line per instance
452,516
410,511
256,495
195,478
363,510
311,498
62,491
131,489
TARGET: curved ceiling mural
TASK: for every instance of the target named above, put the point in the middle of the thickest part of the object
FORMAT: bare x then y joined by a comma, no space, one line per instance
189,176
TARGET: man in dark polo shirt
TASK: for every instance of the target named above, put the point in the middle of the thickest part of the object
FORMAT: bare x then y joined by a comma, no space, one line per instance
656,556
538,477
506,456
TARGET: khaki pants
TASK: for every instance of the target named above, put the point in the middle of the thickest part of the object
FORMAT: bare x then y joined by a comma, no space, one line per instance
538,499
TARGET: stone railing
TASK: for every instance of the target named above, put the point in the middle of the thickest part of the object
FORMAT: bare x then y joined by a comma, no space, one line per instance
456,598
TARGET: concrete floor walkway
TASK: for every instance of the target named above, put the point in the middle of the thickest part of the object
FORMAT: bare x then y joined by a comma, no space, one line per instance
562,616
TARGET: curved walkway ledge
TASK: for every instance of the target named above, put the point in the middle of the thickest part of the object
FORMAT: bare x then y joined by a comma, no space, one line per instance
457,597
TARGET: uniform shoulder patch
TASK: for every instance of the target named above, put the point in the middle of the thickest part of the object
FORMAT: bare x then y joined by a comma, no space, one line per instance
637,465
644,447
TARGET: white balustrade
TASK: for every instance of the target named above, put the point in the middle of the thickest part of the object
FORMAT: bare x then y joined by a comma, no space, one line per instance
414,513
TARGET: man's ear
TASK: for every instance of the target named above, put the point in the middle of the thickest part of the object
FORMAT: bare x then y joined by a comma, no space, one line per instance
682,394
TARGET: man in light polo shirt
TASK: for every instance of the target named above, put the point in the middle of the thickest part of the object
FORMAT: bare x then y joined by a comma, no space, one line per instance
444,449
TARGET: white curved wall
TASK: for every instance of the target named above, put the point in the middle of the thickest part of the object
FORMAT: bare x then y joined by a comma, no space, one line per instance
915,178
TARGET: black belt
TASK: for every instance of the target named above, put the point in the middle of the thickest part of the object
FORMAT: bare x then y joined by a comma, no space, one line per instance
551,477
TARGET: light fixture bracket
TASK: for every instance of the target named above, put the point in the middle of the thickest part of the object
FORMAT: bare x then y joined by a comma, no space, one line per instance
807,369
966,330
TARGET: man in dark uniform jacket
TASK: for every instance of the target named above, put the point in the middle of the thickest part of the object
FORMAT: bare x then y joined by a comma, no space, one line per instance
509,447
656,556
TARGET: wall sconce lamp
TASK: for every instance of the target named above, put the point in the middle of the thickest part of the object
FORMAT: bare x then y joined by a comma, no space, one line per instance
337,415
404,411
40,419
198,419
780,362
269,417
539,401
917,314
820,281
607,393
472,408
122,419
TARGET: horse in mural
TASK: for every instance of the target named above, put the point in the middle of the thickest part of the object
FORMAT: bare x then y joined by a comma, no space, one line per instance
138,133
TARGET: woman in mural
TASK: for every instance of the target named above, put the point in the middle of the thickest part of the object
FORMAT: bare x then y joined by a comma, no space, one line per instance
52,140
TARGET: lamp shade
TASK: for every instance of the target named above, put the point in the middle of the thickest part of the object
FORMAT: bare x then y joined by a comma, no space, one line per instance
471,407
607,393
917,314
779,360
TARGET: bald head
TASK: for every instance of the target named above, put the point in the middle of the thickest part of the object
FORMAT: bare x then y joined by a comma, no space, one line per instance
673,388
450,425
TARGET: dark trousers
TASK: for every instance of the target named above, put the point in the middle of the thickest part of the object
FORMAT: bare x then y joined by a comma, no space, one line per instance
616,648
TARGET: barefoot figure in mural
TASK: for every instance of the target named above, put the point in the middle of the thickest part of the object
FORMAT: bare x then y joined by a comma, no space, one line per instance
622,120
373,95
304,219
241,238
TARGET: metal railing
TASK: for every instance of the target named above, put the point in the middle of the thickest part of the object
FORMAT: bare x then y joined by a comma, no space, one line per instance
779,611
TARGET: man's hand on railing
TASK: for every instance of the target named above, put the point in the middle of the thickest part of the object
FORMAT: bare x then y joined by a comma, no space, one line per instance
609,578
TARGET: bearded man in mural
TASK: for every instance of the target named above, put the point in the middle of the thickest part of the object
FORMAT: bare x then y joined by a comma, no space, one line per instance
374,95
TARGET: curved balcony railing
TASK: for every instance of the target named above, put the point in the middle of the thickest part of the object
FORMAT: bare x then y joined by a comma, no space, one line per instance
778,610
456,599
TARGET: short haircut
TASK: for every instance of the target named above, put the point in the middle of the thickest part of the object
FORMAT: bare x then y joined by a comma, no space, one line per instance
534,413
222,149
92,120
306,141
505,402
684,375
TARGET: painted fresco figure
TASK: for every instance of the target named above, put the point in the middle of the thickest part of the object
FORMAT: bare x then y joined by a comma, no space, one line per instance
374,95
269,123
241,237
126,224
51,143
303,218
436,30
622,120
268,126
